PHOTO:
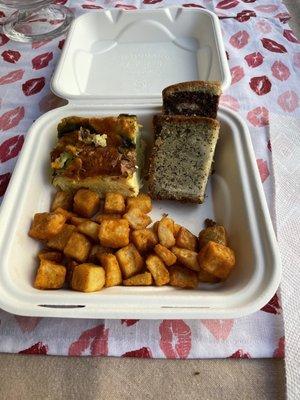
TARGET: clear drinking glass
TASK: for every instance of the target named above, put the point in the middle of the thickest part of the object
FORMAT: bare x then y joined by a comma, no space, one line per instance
35,20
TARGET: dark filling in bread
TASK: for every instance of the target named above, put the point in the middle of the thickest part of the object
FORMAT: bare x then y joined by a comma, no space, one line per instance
192,103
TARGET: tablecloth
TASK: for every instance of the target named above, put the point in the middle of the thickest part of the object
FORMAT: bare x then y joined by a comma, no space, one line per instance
264,59
285,138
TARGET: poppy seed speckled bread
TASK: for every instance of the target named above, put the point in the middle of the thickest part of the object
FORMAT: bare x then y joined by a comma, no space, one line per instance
192,98
182,157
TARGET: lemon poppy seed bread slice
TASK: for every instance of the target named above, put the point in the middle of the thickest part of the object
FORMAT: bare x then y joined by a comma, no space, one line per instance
192,98
182,157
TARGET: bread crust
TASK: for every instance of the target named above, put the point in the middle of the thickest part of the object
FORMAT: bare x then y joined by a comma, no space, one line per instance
213,87
159,119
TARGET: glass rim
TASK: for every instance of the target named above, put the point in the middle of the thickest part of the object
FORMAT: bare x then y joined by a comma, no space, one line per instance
19,4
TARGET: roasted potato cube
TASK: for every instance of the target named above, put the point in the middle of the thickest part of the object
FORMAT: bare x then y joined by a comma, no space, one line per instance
206,277
50,255
183,277
141,201
62,200
165,254
186,239
137,219
176,229
113,275
129,260
158,270
187,258
50,275
114,203
90,229
165,232
95,253
86,203
78,247
114,233
104,217
144,239
70,265
77,220
46,225
214,233
59,241
67,214
88,278
144,279
216,259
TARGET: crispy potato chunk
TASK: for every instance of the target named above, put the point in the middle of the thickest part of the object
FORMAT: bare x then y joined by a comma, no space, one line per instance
186,239
187,258
50,255
114,233
112,270
141,201
90,229
95,253
50,275
144,279
214,233
165,232
77,220
67,214
62,200
137,219
176,229
46,225
86,203
88,278
129,260
158,270
216,259
78,247
104,217
206,277
183,277
165,254
144,239
114,203
59,241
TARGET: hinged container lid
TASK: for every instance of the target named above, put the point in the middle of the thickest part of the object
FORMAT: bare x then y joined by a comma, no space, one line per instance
119,56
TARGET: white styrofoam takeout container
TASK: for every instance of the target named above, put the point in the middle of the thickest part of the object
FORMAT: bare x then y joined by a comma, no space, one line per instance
118,62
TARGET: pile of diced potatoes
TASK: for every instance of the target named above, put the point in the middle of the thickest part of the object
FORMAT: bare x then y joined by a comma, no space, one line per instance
91,243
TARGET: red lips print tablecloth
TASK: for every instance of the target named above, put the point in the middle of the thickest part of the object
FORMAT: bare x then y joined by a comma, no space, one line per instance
264,59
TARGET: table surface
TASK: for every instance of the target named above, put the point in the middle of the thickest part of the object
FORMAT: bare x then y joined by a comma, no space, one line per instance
31,377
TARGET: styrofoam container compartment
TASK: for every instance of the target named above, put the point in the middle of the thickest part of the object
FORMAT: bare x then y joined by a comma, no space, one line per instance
118,62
